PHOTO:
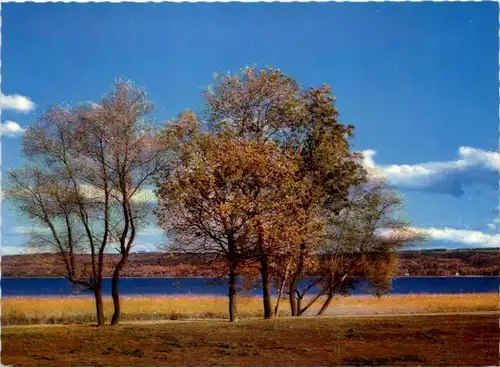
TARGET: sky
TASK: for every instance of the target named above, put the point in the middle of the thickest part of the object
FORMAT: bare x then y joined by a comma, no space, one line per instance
418,80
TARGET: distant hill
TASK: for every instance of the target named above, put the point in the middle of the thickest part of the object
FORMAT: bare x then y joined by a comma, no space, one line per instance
155,264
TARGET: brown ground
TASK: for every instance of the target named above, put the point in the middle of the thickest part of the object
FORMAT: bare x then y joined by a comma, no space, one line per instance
450,340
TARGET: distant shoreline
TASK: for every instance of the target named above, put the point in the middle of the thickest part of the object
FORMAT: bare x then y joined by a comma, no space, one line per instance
421,264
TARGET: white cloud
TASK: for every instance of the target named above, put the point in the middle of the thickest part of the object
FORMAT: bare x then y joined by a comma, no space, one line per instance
141,196
30,229
10,128
151,231
145,196
12,250
492,226
91,105
449,177
463,236
16,102
141,248
145,247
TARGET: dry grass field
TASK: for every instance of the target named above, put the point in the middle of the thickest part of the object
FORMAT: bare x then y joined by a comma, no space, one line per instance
445,340
24,311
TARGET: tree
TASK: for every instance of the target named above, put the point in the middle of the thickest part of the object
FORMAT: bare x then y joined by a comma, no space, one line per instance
226,196
50,192
360,244
43,200
268,106
116,134
332,168
86,166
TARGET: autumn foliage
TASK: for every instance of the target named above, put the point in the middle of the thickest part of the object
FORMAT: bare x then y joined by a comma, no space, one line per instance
262,183
266,176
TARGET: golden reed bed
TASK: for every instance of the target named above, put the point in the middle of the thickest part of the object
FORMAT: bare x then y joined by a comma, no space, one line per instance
37,310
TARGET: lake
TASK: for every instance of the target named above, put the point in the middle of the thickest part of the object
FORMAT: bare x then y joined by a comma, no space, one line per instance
16,287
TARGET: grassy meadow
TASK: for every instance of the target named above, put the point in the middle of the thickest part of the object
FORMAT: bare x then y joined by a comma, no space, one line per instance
74,310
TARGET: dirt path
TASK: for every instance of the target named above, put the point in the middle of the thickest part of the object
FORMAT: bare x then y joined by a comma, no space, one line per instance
151,322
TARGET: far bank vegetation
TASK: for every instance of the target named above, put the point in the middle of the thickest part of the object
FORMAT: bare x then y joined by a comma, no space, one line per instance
416,263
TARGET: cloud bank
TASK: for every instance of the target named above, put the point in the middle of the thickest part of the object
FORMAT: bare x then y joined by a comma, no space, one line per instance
473,166
17,230
151,231
142,196
145,196
16,102
463,236
10,128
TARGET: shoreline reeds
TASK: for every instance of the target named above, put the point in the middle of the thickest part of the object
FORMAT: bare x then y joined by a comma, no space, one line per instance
77,310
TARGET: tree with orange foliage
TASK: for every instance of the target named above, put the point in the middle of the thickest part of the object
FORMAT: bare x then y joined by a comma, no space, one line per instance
267,106
227,197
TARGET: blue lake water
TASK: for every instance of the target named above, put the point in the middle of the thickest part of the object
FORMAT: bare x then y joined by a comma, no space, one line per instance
15,287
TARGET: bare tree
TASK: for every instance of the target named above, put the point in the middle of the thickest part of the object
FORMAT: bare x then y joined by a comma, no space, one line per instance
115,134
99,157
53,197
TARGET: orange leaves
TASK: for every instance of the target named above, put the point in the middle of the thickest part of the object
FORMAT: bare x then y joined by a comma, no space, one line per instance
225,185
268,173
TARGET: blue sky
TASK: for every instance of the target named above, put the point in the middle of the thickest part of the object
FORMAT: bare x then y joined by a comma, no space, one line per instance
419,81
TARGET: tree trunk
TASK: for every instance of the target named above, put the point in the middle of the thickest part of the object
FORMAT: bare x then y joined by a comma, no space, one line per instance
277,306
266,287
331,291
299,305
233,316
294,282
114,291
291,294
311,302
327,302
281,290
334,287
98,304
